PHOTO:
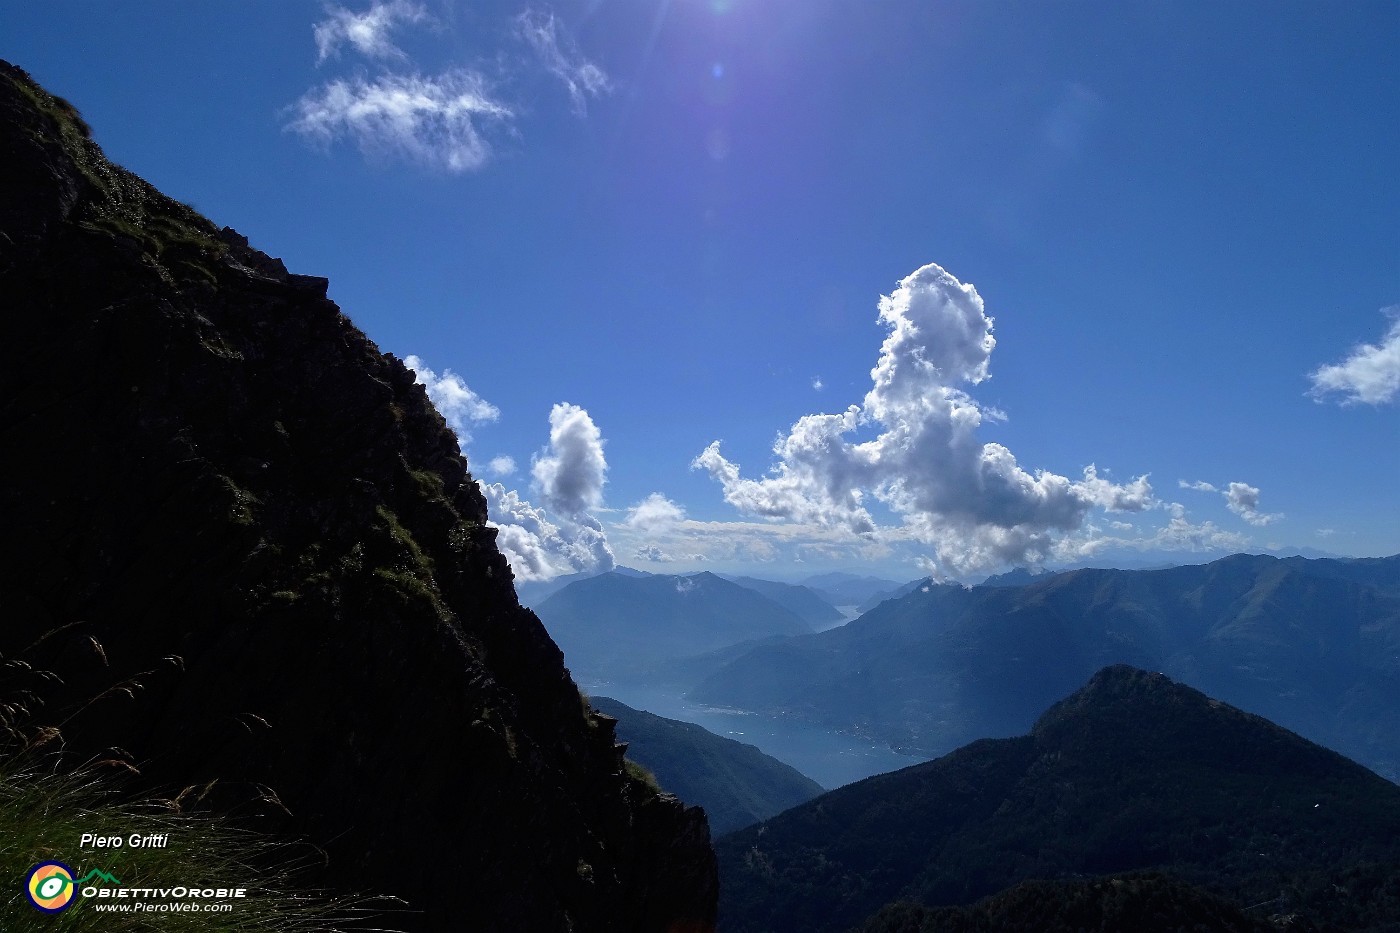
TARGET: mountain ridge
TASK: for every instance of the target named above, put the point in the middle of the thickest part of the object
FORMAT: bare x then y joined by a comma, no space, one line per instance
1314,645
614,626
1131,772
249,549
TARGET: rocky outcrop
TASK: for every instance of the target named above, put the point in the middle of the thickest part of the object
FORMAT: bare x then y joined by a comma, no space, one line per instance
248,545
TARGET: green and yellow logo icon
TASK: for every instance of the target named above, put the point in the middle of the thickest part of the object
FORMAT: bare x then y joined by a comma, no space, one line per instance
50,887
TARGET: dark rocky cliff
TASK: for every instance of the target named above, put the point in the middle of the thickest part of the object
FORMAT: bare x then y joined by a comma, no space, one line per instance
248,545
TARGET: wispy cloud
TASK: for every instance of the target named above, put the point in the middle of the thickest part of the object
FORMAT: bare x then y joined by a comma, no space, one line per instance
368,32
435,121
657,530
1179,535
452,120
1370,374
559,54
971,502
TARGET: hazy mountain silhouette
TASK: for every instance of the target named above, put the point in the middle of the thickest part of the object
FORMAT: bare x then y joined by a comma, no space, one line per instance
614,626
1131,772
533,592
841,588
1312,644
802,601
875,599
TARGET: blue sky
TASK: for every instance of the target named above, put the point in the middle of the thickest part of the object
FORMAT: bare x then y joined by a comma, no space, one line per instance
1157,238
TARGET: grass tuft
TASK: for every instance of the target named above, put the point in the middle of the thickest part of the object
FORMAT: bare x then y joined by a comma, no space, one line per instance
44,812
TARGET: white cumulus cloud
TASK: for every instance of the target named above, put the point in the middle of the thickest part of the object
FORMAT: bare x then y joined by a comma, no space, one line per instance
560,56
1136,496
653,553
562,535
571,473
1370,374
452,397
539,547
1240,498
501,466
1243,500
655,514
438,121
368,32
970,501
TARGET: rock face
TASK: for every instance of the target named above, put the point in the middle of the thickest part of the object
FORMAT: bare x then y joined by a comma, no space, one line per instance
247,543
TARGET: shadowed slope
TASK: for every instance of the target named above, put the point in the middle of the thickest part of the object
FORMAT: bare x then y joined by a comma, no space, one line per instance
1131,772
247,533
736,783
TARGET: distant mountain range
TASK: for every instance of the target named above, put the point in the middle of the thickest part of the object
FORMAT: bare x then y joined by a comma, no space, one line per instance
802,601
1019,576
848,589
1132,772
1312,644
615,626
533,592
903,589
735,783
1127,558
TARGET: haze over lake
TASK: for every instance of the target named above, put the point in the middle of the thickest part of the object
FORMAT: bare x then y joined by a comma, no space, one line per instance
832,759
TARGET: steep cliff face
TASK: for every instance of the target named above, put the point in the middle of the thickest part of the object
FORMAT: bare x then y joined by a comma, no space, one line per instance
247,543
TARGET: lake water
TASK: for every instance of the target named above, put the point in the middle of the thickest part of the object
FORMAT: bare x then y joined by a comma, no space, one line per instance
829,758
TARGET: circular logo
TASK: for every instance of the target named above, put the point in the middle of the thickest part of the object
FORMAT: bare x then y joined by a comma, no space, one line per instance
50,887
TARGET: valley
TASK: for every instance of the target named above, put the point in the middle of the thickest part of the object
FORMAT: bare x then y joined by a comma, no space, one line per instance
832,759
